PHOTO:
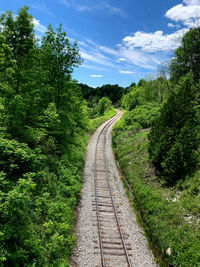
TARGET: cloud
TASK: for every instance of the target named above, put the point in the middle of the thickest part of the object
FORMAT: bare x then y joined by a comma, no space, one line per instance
83,8
126,72
113,9
96,76
96,57
171,25
121,59
123,56
95,7
192,2
153,42
42,7
66,3
187,13
108,50
137,57
39,27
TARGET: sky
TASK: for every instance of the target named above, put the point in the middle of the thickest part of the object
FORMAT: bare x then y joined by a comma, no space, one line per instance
120,41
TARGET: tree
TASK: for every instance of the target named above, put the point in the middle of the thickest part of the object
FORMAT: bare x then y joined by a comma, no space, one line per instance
103,105
173,136
58,58
19,37
187,56
17,50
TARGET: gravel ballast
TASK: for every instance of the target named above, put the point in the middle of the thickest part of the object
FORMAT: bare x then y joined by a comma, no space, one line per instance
85,253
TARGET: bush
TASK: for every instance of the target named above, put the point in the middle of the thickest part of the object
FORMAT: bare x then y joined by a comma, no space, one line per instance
173,136
144,115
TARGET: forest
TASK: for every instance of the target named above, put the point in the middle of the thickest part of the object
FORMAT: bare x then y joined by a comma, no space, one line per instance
46,118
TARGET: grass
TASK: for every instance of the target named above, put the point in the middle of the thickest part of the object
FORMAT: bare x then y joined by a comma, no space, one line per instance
170,215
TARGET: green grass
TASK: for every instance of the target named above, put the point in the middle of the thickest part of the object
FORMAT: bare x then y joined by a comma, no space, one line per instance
170,215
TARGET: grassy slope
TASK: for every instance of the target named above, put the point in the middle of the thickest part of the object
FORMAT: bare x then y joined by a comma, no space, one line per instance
169,215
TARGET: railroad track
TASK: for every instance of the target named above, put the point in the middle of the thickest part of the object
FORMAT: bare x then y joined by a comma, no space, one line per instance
112,242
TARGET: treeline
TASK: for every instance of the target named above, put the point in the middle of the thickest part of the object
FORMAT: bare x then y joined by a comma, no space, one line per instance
43,124
113,92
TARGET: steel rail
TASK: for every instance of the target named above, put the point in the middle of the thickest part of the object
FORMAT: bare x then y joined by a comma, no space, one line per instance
96,194
111,196
108,124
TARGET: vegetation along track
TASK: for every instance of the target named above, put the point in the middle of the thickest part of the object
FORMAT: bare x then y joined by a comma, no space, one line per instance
107,231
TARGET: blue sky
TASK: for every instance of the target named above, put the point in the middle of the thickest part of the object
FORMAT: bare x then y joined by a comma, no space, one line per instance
120,41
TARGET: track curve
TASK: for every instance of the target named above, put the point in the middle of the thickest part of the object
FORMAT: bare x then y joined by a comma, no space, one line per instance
111,240
99,240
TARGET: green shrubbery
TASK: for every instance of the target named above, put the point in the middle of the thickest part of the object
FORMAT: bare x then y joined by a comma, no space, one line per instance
43,124
144,115
173,136
151,92
168,214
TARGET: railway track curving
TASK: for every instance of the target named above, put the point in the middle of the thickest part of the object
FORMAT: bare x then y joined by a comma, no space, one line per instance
112,243
106,228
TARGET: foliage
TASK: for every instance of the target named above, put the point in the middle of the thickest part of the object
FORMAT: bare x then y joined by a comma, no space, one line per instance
43,124
173,136
113,92
143,115
96,122
103,105
153,91
187,56
169,215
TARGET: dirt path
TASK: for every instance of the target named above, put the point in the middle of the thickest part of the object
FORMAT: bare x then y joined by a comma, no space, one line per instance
87,252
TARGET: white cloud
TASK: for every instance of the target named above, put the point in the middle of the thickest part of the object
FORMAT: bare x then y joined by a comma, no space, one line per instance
96,57
113,9
153,42
126,72
192,2
171,25
83,8
101,6
139,58
96,76
121,59
187,13
108,50
94,67
123,56
39,27
41,7
64,2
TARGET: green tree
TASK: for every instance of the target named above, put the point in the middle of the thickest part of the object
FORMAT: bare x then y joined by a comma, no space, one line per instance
58,58
17,53
187,56
173,136
103,105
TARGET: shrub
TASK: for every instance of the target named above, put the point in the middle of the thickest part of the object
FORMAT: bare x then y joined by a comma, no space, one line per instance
144,115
